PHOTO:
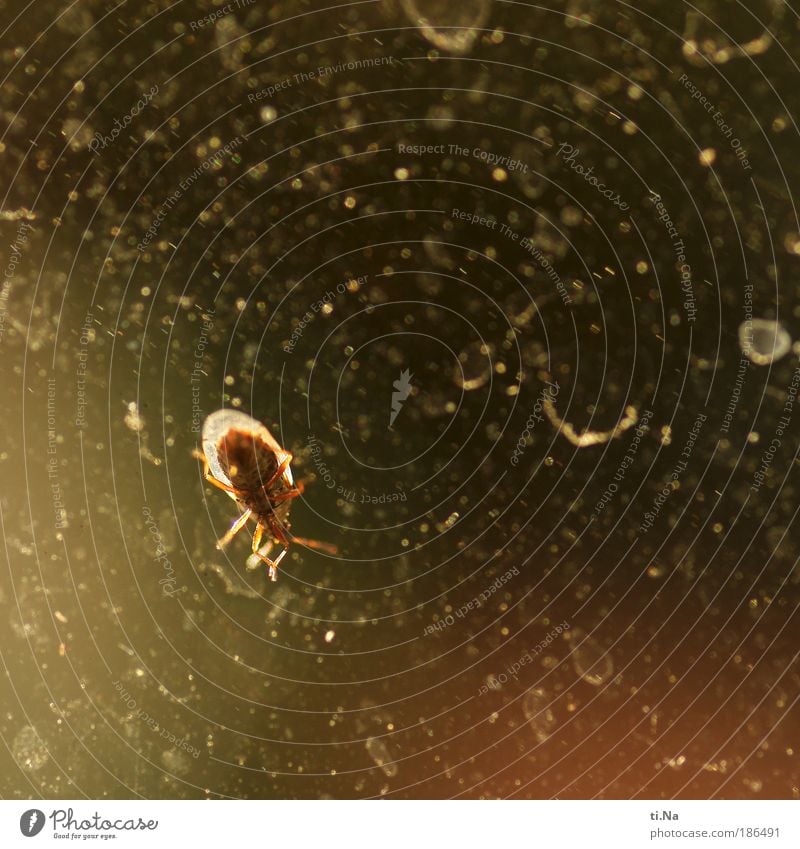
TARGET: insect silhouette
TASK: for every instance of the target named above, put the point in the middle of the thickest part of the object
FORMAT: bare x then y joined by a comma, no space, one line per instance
241,457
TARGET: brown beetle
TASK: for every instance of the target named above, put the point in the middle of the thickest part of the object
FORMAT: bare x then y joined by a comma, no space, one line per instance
241,457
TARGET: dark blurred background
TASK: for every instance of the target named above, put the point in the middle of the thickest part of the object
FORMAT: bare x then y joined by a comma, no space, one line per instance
568,567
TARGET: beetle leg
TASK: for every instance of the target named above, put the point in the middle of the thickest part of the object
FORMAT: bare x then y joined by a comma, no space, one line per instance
273,569
234,529
255,560
281,534
220,485
257,537
315,544
273,564
198,455
286,496
282,467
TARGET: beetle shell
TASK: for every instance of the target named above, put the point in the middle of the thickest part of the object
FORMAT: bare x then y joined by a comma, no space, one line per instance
232,440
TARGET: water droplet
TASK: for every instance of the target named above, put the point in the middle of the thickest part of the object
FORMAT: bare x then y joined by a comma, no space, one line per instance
441,117
536,705
133,420
520,308
176,761
380,754
268,114
28,749
704,41
764,341
591,661
77,133
452,27
439,254
474,368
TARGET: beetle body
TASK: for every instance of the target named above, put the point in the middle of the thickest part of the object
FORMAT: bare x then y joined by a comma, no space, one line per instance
242,458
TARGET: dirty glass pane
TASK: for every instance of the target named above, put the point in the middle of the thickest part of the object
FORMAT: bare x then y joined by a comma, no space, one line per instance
501,302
